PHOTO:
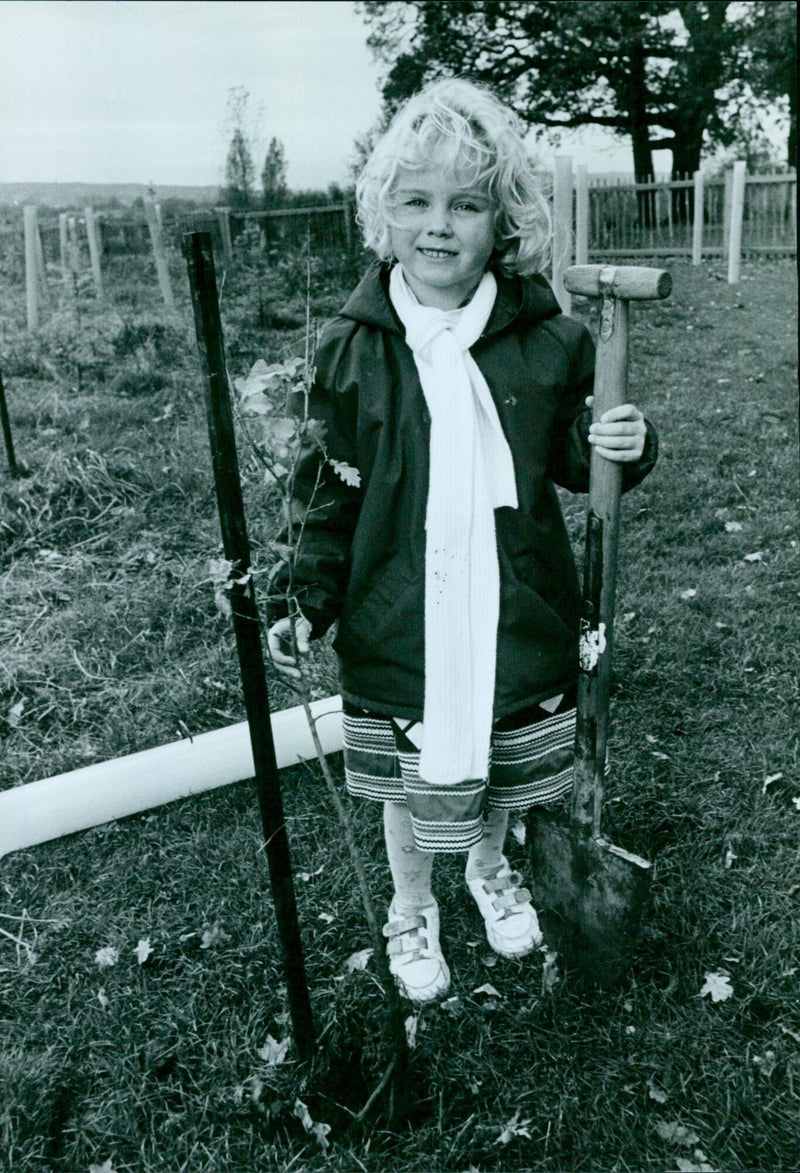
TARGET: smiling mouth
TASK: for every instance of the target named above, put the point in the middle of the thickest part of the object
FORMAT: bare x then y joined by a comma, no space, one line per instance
436,252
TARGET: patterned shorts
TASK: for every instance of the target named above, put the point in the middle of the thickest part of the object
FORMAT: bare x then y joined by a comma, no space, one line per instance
530,765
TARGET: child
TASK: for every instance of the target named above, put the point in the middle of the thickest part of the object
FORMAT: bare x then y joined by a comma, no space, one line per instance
455,386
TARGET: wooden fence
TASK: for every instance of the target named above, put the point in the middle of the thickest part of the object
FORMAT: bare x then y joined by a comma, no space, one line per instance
594,220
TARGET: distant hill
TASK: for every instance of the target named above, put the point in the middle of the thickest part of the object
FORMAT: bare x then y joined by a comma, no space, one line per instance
79,195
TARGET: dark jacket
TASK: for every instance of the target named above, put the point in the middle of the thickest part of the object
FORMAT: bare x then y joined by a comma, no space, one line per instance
361,557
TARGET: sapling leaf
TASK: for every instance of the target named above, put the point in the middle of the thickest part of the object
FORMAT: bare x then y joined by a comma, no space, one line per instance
315,1128
346,472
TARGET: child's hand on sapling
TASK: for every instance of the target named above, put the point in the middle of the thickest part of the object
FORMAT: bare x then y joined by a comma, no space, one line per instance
279,641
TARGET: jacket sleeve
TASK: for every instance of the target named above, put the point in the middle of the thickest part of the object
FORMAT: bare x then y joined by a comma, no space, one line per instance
571,450
324,505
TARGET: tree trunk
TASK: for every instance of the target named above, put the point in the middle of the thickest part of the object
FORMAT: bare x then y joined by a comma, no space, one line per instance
640,135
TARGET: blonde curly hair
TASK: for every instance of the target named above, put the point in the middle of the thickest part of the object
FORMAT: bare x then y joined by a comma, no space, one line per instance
461,126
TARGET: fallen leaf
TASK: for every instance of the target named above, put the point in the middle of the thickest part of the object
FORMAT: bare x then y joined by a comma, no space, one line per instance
768,781
514,1127
730,857
757,557
796,803
765,1063
655,1092
550,975
519,831
143,950
698,1165
273,1053
327,917
15,714
488,989
106,1167
358,961
411,1031
733,527
316,1129
676,1133
211,937
718,986
688,594
101,998
106,956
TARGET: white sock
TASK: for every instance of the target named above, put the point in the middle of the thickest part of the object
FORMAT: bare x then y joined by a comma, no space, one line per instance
484,857
411,868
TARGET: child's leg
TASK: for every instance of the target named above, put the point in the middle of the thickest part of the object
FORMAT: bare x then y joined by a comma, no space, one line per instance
411,868
415,956
485,857
512,927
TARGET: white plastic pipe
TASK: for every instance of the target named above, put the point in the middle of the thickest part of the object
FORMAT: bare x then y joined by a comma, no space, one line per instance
66,803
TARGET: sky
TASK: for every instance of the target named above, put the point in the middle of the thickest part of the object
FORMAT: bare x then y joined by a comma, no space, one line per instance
136,91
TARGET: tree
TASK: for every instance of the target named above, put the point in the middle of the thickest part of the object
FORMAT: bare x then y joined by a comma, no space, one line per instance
769,58
273,175
648,69
239,170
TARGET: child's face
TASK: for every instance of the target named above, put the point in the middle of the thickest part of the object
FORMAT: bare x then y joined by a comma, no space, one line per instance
443,234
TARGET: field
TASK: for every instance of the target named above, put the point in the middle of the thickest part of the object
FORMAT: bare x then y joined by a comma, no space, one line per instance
139,970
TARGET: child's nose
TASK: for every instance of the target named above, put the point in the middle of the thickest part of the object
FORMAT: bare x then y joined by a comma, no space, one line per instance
440,223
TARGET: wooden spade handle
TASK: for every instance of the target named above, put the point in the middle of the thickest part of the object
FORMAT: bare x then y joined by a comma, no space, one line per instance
602,530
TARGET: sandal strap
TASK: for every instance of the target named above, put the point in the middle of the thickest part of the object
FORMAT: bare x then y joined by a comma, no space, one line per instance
396,928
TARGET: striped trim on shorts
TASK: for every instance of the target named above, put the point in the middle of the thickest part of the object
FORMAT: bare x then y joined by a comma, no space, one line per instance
530,765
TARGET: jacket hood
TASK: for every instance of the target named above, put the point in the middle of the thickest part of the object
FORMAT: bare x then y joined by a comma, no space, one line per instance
523,300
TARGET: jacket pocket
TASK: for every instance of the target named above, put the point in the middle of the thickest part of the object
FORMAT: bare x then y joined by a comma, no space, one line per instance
387,624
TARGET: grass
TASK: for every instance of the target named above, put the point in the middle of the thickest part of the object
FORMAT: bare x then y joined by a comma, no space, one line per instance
112,644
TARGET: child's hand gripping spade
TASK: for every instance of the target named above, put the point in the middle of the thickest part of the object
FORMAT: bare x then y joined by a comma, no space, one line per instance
592,893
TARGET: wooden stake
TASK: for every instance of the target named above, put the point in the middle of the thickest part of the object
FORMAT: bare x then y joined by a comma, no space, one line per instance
581,215
203,283
562,228
63,247
737,214
726,209
13,467
94,251
159,252
31,274
697,236
224,221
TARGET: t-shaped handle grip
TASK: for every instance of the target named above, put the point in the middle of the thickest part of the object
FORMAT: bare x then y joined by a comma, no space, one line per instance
626,282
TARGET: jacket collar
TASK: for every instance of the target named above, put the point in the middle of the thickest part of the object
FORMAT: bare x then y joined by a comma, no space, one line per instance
521,300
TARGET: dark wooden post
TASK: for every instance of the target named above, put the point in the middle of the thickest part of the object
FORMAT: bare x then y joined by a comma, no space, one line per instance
199,255
6,425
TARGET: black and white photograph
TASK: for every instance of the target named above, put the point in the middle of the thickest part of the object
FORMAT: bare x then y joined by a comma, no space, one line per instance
399,586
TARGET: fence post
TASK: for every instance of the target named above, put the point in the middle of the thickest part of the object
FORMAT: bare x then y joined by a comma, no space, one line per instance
697,235
94,251
224,220
737,212
581,215
40,267
31,267
726,210
562,228
62,246
159,252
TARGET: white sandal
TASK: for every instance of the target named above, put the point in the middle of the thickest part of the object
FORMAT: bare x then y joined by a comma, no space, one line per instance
415,958
512,927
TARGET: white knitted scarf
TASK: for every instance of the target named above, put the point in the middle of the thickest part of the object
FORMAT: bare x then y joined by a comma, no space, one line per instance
471,475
